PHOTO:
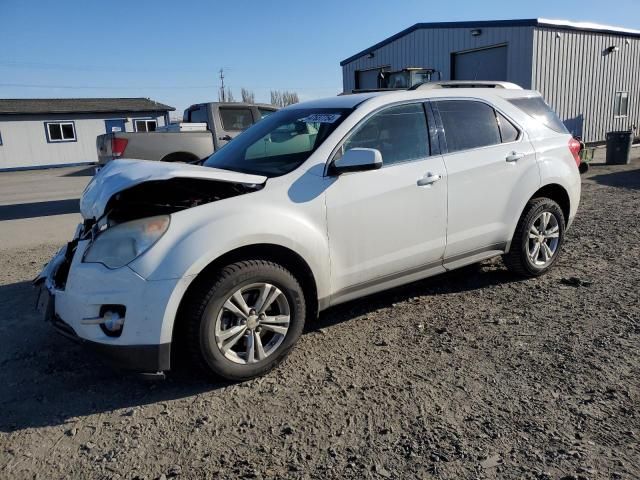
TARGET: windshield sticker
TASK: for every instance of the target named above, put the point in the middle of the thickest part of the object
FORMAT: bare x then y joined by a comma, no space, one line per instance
321,118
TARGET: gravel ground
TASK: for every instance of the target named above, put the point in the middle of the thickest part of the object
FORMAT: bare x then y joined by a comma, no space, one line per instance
473,374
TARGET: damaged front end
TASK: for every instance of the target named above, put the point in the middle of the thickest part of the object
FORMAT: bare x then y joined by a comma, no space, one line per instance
85,292
130,189
163,197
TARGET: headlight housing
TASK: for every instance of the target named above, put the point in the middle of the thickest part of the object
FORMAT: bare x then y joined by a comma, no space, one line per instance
120,245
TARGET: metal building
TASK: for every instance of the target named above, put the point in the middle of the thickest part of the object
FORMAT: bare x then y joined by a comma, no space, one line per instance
589,73
62,131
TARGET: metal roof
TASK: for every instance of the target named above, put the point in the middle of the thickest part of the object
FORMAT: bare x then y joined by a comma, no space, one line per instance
22,106
531,22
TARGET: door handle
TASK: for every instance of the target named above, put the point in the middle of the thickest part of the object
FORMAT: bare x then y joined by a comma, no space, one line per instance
514,156
226,138
428,179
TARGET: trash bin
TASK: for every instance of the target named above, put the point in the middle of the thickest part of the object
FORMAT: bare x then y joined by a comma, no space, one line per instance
619,147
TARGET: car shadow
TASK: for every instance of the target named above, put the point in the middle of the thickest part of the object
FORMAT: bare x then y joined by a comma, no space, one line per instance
85,172
621,179
48,380
469,278
39,209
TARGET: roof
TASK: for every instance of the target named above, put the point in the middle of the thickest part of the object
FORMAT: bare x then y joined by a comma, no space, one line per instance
18,106
381,98
339,101
531,22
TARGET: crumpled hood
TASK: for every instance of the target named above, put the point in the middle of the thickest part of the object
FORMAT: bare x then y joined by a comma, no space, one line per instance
120,175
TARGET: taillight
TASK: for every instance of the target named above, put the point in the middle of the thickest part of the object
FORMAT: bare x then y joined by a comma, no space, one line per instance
575,147
118,146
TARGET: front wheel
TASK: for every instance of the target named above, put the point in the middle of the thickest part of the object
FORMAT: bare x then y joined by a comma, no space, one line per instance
535,246
244,321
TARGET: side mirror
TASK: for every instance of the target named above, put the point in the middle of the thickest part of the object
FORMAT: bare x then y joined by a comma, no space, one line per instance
357,160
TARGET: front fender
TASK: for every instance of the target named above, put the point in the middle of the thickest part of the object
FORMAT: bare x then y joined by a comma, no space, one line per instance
198,236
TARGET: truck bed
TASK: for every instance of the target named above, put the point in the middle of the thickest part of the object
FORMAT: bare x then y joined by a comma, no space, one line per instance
164,146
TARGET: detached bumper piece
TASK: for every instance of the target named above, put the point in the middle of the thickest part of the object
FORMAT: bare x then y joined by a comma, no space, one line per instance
138,358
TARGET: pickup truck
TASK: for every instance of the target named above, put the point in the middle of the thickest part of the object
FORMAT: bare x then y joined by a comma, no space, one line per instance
206,128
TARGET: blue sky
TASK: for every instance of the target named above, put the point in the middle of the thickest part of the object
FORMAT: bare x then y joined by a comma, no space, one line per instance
171,51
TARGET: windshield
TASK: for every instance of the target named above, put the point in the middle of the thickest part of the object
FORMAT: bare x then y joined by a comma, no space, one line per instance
280,143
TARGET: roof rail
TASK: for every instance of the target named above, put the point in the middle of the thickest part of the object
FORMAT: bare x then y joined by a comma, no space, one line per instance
466,84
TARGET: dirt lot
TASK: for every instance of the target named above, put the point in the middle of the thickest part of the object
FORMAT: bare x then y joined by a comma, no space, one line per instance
474,374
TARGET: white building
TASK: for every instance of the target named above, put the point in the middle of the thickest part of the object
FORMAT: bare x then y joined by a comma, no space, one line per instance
37,133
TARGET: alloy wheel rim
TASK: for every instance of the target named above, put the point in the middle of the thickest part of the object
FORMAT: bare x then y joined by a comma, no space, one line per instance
252,323
544,238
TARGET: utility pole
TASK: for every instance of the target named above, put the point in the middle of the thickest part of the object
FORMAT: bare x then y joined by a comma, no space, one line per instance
222,95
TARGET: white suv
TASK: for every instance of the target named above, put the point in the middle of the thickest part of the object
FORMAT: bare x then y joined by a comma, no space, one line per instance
320,203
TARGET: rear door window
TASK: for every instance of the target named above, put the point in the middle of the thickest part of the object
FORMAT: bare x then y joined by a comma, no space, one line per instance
198,115
468,124
236,119
536,108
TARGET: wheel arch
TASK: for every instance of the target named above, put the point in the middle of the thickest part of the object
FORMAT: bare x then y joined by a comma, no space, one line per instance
284,256
558,194
553,191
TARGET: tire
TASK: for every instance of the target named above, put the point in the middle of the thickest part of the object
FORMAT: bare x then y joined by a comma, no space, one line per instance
258,348
520,259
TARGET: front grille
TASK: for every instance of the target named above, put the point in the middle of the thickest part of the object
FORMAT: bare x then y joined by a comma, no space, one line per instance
62,273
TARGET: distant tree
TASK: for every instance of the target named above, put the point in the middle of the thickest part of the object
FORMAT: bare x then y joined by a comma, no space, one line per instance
283,98
226,95
247,96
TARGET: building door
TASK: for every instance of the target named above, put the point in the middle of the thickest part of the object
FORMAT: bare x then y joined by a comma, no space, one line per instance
486,64
367,79
114,125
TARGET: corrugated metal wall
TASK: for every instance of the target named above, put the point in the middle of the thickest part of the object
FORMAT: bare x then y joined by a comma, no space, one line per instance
571,68
432,48
579,78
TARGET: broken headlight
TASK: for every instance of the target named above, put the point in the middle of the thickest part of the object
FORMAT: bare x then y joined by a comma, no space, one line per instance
120,245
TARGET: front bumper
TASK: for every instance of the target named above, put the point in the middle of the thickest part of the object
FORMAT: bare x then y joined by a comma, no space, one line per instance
139,358
79,292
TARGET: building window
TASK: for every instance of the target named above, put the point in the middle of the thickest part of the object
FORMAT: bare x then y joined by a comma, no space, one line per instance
145,125
60,132
621,104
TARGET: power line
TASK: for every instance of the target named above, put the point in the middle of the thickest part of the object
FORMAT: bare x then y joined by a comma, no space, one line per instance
110,87
161,87
94,68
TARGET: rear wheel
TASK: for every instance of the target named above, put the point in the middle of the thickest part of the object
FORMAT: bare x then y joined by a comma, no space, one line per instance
245,320
539,235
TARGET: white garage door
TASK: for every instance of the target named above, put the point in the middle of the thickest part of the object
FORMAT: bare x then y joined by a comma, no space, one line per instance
485,64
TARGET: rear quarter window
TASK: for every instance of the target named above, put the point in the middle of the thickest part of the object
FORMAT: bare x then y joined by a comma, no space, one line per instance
538,109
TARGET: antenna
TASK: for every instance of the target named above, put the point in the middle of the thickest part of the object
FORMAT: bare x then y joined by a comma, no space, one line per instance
221,95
